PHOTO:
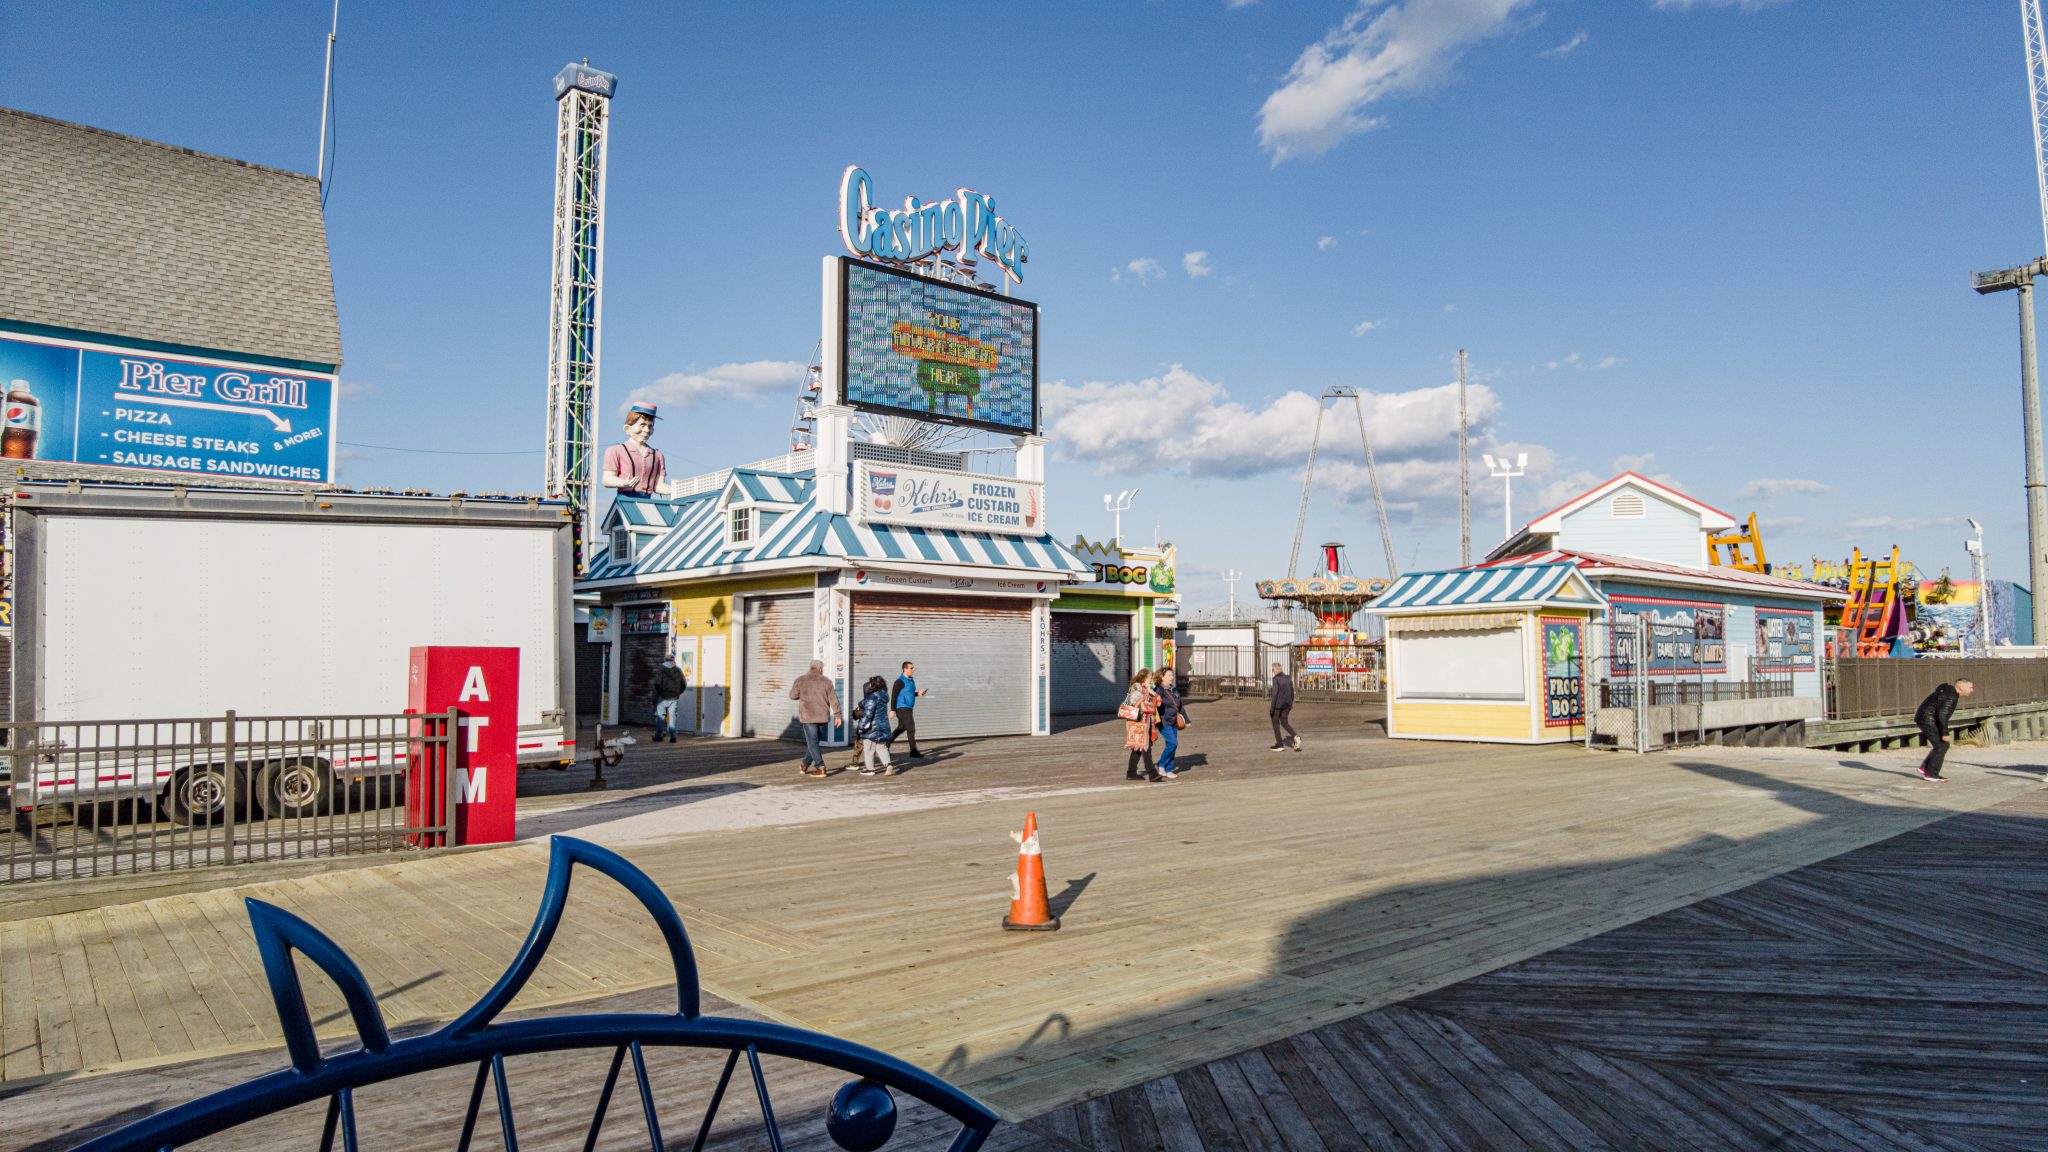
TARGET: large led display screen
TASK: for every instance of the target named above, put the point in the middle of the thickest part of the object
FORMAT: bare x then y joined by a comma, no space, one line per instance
923,348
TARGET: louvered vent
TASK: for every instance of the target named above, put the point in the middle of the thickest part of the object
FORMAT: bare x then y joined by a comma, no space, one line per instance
1628,506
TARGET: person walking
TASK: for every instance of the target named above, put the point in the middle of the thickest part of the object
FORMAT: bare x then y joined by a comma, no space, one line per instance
1140,713
669,686
1280,702
1173,716
903,697
816,703
871,725
1932,719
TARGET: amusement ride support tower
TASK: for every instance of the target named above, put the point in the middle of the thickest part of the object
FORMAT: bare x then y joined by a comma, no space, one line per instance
583,98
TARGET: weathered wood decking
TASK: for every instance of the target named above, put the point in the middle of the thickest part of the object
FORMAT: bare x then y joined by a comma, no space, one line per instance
1891,998
1895,997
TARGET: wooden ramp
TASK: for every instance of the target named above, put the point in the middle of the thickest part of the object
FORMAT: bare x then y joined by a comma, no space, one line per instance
1890,998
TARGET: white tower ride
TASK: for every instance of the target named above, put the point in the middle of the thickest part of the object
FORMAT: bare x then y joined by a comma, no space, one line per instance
583,98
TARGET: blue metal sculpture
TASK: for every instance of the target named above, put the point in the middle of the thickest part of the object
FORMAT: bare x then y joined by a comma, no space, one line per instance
861,1117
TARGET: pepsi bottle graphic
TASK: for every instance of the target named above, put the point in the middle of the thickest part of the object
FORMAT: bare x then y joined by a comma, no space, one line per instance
24,423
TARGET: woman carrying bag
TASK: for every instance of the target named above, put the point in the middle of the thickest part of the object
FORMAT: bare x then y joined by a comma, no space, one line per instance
871,725
1140,714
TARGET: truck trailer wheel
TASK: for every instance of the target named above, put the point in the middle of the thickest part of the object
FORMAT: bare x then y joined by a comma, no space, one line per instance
295,788
198,795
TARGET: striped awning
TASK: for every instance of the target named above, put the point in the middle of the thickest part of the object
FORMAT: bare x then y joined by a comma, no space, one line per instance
1521,585
693,536
1457,622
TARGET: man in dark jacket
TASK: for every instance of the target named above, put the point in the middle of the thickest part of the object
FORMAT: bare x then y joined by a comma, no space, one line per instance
1280,701
1932,720
669,686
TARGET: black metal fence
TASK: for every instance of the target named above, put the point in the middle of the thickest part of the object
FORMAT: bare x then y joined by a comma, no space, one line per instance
1862,688
114,797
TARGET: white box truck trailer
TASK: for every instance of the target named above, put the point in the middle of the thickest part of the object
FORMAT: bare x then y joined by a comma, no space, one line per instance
135,602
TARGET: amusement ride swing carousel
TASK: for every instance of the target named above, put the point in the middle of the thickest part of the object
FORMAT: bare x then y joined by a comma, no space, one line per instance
1336,656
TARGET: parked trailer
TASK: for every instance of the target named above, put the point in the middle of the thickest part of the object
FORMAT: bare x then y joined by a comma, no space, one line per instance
139,602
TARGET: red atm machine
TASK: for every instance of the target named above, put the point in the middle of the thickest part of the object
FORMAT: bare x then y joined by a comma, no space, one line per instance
482,685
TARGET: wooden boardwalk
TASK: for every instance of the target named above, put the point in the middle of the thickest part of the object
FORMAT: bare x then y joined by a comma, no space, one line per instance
1895,997
1890,998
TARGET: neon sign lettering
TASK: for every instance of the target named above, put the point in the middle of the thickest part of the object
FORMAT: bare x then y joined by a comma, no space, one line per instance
968,224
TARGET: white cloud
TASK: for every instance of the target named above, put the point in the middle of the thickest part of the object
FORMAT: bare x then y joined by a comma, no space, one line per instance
1689,5
1197,265
1899,523
354,389
753,380
1112,427
1772,489
1365,326
1379,50
1565,49
1450,308
1239,3
1578,363
1325,243
1142,269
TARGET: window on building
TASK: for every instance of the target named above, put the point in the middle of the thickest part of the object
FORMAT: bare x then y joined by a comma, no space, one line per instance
1628,506
622,546
739,528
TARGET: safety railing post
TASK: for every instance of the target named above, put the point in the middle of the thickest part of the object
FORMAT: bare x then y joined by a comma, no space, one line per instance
450,749
228,776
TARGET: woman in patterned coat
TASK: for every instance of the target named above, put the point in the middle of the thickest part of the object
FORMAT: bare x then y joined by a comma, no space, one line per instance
1140,713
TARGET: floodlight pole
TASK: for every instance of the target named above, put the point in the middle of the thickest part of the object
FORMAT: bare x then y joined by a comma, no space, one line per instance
2021,280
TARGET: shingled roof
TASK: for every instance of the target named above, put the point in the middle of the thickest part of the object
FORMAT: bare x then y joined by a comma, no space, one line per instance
136,240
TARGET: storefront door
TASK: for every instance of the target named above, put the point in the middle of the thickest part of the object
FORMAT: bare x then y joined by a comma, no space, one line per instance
779,630
973,656
1091,662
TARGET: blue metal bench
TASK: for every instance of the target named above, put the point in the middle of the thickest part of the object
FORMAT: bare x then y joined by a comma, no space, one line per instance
861,1117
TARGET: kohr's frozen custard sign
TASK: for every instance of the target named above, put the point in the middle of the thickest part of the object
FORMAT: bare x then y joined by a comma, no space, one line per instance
931,498
967,224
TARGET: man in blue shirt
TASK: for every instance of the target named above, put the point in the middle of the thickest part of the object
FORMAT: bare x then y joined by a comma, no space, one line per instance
903,704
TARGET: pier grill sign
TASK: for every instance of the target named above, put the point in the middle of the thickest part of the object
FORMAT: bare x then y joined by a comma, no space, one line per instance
93,404
933,498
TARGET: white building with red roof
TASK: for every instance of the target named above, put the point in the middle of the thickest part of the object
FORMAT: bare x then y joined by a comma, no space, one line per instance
1605,617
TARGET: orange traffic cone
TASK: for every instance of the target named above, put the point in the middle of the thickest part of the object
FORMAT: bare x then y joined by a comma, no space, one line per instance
1029,909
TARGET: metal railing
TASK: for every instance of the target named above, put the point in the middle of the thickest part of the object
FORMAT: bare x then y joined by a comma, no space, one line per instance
862,1114
1863,688
117,797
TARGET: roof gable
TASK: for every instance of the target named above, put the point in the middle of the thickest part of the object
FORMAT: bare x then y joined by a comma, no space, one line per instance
127,238
1712,519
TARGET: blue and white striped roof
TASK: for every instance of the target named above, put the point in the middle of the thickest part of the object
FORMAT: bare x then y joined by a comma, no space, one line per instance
692,536
1518,586
770,487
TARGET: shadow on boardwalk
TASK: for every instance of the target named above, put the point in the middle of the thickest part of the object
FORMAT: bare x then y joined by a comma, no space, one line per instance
1888,998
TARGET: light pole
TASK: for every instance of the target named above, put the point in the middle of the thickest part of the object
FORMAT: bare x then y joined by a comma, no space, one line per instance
1983,565
1230,577
2021,280
1501,470
1116,506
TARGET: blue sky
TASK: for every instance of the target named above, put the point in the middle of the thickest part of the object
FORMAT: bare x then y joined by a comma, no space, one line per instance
1726,243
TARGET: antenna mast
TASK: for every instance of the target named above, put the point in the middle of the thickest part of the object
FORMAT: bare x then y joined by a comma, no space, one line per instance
583,98
1464,473
327,95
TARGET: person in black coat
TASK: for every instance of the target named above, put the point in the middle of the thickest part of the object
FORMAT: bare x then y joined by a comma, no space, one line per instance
1280,701
1932,719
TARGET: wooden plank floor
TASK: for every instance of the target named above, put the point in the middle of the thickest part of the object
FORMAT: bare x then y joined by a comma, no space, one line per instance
1895,997
1263,895
1889,998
